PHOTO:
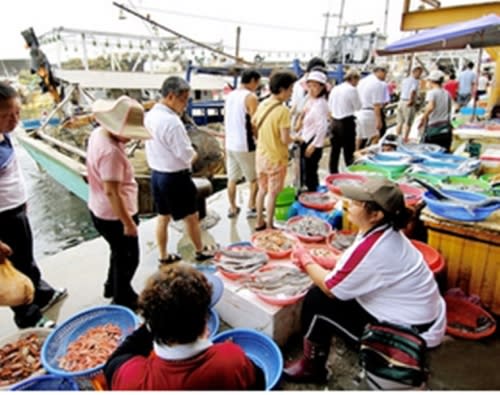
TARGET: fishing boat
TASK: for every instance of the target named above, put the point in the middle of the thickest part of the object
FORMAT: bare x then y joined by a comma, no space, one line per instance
60,149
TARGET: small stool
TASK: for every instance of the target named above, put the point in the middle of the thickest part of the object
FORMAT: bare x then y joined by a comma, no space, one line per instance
204,189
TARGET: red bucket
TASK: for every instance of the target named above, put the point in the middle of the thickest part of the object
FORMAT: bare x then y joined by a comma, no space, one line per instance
432,257
333,180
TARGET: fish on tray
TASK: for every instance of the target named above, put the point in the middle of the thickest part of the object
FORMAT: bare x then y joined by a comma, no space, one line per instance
342,241
317,198
280,281
309,226
241,261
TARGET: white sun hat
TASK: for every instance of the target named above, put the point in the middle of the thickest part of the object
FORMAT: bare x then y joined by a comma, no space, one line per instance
317,76
123,117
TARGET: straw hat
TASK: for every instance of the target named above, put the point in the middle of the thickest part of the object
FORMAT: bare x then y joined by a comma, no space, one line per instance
123,117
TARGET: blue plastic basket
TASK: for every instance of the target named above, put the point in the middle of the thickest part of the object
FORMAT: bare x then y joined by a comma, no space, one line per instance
217,287
56,344
47,382
260,348
456,211
213,323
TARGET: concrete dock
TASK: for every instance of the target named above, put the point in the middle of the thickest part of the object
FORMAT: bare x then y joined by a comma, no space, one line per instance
455,365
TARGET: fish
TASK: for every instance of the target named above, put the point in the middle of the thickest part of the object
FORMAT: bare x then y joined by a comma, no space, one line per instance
246,263
309,226
279,281
342,241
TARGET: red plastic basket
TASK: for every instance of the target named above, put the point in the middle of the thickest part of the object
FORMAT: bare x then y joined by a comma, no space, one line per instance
326,262
412,195
327,205
285,253
333,180
231,275
305,238
432,257
462,312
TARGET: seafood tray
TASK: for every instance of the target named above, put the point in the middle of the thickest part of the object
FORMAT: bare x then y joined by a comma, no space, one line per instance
279,284
276,243
20,356
323,254
317,200
334,181
341,240
308,228
235,262
412,195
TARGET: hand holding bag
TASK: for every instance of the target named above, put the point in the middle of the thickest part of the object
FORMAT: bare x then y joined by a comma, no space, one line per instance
15,288
393,357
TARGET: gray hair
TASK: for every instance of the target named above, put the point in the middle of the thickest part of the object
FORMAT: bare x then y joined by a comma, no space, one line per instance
175,85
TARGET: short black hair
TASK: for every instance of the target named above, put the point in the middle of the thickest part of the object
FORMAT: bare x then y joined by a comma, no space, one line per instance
248,75
281,80
7,92
470,65
314,62
175,304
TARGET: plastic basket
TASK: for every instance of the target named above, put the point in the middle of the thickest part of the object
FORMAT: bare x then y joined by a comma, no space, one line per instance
286,197
333,181
432,257
213,323
369,170
57,342
460,312
281,254
48,382
306,238
260,348
41,333
412,195
326,205
456,211
467,183
217,287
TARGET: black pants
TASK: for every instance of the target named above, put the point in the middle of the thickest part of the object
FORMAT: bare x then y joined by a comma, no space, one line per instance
343,138
323,316
123,260
15,230
383,129
443,140
309,168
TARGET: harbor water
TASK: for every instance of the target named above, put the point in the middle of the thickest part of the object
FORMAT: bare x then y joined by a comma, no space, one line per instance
58,218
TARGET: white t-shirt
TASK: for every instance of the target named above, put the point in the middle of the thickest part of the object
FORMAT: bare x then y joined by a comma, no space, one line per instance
371,91
388,277
238,135
482,83
344,101
408,85
170,149
12,188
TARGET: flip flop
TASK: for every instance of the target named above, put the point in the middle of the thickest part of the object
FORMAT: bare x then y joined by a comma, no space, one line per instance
261,227
171,258
232,214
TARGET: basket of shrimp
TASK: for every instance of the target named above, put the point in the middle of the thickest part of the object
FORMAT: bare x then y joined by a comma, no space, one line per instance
20,356
80,346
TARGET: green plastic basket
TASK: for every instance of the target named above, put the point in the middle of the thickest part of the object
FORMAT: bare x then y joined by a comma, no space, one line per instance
286,197
369,170
395,170
468,183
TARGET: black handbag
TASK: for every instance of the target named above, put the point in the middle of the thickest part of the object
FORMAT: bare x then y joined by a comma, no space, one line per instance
393,356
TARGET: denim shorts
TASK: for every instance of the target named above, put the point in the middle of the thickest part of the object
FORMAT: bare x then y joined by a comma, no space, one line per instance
174,193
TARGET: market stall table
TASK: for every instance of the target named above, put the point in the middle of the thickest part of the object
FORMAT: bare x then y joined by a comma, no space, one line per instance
472,254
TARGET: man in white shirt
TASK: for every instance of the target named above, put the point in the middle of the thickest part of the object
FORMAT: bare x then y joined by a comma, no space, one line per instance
372,92
482,84
240,143
343,103
170,156
407,101
16,239
466,85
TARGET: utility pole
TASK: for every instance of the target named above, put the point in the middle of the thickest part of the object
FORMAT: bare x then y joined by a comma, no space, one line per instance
238,37
327,17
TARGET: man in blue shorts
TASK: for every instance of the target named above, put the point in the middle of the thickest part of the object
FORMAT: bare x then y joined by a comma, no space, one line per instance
170,156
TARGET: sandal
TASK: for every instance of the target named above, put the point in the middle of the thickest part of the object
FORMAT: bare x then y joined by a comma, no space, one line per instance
205,254
57,296
171,258
233,214
261,227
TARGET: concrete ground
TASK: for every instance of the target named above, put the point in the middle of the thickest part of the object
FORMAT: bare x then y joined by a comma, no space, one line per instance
455,365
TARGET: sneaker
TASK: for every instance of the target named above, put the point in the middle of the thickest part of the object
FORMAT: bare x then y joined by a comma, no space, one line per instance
45,323
252,213
58,295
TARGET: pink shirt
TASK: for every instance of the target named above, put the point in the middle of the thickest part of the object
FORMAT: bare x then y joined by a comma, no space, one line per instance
107,161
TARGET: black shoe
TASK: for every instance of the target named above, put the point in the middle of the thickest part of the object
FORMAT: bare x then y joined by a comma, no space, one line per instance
59,294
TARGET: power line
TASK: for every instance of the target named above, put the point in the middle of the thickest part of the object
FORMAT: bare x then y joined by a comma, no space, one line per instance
227,20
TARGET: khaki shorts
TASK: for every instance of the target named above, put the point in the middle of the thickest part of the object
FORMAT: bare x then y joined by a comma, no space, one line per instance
271,176
405,114
241,164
